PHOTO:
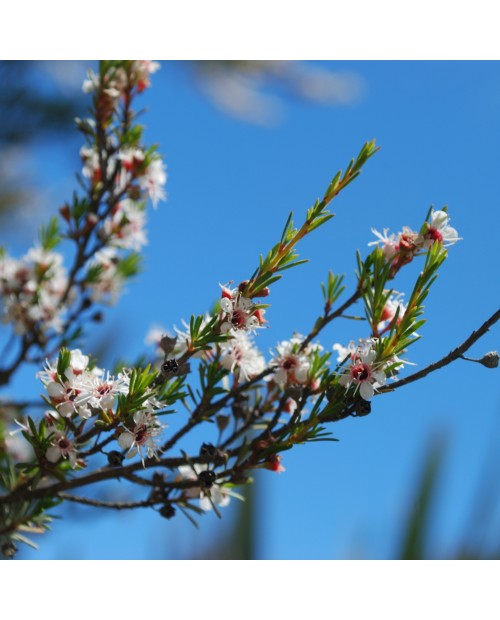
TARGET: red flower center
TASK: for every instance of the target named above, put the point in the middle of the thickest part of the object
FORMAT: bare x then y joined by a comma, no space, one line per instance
360,372
434,234
238,319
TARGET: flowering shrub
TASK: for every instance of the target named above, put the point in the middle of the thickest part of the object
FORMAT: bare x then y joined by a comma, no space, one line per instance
102,425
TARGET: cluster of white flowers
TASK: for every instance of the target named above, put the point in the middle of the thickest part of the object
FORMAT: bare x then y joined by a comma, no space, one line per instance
364,372
293,363
83,391
408,242
115,81
129,171
125,228
32,290
239,312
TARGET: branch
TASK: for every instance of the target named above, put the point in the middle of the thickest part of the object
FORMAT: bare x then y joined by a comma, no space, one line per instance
102,504
448,359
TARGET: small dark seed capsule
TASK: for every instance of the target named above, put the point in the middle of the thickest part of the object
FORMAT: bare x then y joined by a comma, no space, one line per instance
170,367
115,458
207,449
207,478
168,344
490,360
167,511
363,407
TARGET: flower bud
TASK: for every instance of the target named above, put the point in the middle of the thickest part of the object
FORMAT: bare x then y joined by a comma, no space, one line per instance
92,220
65,213
273,463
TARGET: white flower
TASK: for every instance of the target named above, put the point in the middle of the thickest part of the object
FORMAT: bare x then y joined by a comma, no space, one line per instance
438,229
364,372
394,305
126,227
102,388
239,354
68,398
344,352
239,312
154,180
91,165
61,446
154,337
78,362
183,342
390,243
32,289
131,158
293,364
217,493
91,83
142,436
109,283
141,70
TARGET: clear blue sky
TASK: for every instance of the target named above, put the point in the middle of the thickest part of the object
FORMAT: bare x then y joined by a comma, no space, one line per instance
231,185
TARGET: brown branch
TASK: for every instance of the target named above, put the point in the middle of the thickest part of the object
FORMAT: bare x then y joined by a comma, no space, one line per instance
448,359
327,318
103,504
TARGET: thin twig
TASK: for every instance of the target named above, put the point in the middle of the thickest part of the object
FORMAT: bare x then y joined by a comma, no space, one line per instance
448,359
103,504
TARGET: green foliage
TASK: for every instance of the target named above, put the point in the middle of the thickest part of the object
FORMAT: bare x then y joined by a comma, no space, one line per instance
50,235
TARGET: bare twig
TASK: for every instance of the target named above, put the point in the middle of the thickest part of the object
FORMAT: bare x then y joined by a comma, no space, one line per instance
448,359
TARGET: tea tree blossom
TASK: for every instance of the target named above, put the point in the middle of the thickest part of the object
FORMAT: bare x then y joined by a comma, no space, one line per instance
344,352
255,417
393,306
153,181
438,229
141,72
32,289
101,388
364,373
62,447
125,228
389,243
293,363
142,436
239,312
240,355
81,390
107,281
215,492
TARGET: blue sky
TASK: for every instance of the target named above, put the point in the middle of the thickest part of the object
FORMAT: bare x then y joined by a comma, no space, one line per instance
231,185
